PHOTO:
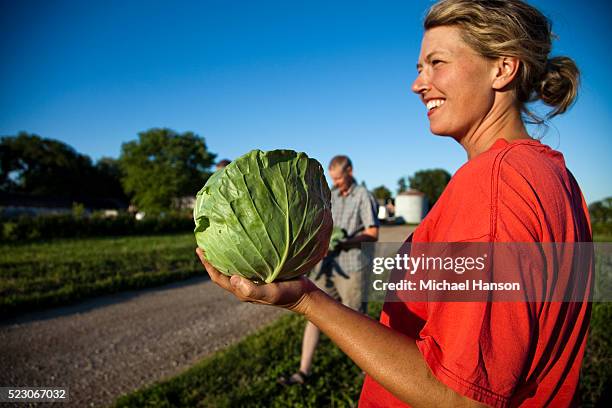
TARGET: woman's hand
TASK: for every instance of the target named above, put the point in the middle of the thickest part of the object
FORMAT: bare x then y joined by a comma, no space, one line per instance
292,294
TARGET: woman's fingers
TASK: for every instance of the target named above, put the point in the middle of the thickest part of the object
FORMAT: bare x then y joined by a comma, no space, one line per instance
285,294
251,292
214,274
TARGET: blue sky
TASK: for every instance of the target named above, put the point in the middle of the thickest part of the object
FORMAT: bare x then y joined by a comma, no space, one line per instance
324,77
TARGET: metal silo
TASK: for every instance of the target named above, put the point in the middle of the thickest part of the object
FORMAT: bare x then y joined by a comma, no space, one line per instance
411,205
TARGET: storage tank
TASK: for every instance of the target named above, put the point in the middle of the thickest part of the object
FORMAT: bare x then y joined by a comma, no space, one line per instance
411,205
383,213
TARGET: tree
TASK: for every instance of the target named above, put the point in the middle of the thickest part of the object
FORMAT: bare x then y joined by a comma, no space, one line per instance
32,165
163,165
601,211
108,179
381,193
430,182
401,185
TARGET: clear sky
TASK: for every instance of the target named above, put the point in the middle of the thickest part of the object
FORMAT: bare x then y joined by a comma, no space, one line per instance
324,77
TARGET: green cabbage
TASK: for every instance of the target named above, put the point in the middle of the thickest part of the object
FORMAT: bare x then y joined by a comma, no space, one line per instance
266,216
338,234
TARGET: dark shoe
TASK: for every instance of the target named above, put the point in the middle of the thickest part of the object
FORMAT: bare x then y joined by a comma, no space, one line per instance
297,378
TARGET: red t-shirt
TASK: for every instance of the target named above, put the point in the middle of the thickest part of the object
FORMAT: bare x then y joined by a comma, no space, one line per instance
501,353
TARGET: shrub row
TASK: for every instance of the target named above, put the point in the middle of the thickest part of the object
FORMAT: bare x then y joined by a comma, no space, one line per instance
70,226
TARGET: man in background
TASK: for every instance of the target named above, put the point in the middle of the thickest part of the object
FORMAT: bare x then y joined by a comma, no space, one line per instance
341,273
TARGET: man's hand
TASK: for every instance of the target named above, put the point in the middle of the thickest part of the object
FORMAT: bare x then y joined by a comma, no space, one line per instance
292,294
369,234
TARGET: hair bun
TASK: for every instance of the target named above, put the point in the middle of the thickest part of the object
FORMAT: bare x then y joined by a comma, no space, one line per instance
559,85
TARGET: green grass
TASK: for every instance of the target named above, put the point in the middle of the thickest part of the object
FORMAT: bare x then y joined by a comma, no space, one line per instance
58,272
596,372
245,374
602,238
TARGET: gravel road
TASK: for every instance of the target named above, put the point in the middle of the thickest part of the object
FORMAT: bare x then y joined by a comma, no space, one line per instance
109,346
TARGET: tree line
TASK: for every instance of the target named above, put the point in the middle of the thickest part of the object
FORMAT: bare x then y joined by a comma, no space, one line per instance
150,172
155,169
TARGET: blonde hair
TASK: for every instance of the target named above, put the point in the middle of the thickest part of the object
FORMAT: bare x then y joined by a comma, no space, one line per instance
496,28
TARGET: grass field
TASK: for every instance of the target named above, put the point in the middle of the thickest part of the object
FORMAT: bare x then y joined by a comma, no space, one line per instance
596,372
58,272
61,271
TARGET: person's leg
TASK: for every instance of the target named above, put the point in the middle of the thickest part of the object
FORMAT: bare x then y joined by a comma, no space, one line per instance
309,345
311,334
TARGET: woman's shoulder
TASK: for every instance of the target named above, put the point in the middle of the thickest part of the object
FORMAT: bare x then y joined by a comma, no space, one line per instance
512,178
524,162
518,154
533,194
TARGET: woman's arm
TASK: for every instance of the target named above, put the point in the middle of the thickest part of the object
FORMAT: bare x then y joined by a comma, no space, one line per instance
389,357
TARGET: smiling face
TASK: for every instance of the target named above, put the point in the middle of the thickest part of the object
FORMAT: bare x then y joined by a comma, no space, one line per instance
342,178
454,82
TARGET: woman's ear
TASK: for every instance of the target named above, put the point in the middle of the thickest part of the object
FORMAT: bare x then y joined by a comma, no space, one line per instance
506,69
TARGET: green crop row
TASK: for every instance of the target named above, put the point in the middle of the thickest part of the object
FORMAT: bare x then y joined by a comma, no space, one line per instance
57,272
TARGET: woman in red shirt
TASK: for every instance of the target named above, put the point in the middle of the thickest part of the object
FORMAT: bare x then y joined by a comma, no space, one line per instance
481,62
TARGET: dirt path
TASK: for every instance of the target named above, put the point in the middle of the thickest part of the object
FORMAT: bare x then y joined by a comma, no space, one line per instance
106,347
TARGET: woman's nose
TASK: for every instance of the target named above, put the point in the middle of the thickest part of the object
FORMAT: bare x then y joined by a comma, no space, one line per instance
420,84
